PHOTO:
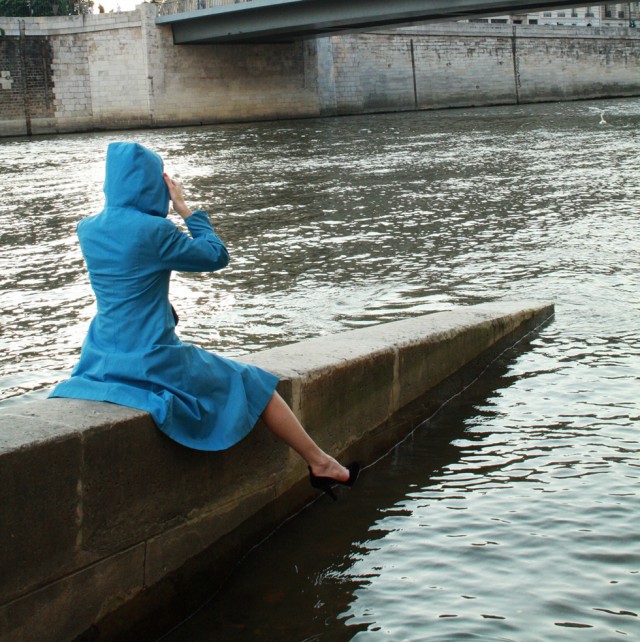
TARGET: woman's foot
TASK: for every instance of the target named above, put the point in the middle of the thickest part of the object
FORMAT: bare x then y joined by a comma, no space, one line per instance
331,469
326,482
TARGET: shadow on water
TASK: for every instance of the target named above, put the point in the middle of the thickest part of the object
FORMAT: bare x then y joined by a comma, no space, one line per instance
297,584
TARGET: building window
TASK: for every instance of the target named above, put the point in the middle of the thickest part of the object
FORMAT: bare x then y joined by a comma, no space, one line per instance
607,13
560,14
547,14
533,21
620,14
499,20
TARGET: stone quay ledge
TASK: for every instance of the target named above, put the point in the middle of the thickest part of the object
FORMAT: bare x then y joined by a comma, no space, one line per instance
107,528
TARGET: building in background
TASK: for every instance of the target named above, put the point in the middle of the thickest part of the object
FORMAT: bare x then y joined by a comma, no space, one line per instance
621,14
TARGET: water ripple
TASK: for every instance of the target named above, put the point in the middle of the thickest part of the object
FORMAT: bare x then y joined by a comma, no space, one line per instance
513,513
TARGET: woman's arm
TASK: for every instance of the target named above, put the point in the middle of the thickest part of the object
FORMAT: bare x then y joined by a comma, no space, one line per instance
203,251
200,251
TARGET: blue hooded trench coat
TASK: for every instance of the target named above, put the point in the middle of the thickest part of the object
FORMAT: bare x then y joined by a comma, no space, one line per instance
131,355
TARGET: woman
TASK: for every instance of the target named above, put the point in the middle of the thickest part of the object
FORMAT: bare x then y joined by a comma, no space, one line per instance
132,356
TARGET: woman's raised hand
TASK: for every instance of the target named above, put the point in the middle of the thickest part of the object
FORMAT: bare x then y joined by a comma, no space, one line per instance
177,196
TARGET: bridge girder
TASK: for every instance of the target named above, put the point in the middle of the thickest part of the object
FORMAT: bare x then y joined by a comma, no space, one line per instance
286,20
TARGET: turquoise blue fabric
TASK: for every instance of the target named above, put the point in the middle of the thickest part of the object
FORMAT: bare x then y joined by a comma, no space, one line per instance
131,355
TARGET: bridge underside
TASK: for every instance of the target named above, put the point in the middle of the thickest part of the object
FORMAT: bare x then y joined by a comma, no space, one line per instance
287,20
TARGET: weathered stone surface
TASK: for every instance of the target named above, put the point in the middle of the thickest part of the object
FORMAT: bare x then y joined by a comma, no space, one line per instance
338,383
168,551
44,500
39,504
151,485
62,610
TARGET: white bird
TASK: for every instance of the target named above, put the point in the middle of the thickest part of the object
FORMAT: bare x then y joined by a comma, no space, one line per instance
602,120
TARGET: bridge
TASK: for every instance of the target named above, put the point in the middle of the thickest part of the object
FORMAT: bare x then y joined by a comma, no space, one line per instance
218,21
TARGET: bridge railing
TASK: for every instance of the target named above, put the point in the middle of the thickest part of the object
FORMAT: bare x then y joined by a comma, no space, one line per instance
186,6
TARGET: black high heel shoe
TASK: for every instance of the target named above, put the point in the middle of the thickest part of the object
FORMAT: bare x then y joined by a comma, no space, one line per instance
325,483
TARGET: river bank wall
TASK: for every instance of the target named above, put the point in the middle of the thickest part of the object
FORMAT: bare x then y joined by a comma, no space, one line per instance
122,71
108,530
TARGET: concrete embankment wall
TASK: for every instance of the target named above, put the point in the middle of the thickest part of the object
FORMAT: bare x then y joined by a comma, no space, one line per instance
109,71
104,521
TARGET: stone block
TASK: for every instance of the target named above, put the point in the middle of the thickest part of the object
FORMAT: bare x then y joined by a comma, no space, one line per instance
339,405
177,481
68,607
40,508
336,383
171,549
42,466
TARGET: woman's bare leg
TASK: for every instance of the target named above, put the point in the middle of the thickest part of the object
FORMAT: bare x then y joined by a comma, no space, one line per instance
281,421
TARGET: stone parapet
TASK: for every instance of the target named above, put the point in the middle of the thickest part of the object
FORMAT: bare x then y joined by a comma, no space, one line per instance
104,521
57,25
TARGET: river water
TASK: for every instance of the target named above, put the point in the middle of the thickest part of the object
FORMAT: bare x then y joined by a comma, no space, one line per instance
513,513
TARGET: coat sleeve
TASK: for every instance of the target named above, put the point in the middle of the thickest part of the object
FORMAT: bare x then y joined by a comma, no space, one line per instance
201,251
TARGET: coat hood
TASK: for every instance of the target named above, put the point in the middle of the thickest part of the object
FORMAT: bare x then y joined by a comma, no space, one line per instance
134,179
